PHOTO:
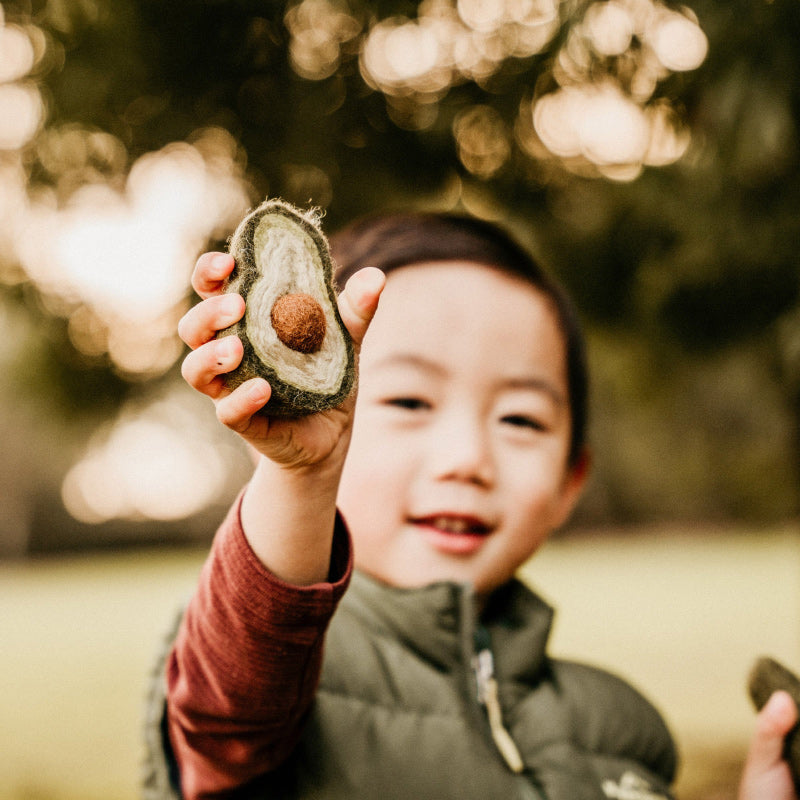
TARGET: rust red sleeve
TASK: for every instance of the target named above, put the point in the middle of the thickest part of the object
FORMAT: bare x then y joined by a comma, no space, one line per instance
245,664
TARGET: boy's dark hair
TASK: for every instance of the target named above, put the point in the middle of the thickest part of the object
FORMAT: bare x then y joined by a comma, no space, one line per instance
390,241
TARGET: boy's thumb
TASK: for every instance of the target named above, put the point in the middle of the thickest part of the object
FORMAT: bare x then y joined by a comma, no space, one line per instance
359,301
774,722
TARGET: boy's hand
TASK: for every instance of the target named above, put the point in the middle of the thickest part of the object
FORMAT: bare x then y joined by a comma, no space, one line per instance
300,442
766,775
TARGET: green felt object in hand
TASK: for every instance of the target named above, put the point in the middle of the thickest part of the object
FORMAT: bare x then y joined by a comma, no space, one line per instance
292,333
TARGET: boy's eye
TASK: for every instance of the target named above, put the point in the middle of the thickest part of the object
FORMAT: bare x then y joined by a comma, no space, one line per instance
523,421
408,403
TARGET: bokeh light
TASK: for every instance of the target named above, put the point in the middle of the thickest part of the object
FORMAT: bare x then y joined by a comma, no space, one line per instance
449,43
677,40
109,244
17,51
610,27
482,140
600,115
109,241
598,122
319,30
403,56
154,462
126,254
21,106
603,117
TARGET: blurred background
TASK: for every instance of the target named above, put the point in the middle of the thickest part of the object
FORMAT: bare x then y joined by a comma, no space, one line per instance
646,151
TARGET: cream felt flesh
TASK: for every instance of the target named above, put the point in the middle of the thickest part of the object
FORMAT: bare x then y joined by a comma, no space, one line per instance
287,247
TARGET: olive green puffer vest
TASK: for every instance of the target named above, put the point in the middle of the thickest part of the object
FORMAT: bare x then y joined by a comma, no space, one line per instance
418,702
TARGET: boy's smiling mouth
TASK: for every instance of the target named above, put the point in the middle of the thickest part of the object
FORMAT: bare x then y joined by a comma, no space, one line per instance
455,524
455,534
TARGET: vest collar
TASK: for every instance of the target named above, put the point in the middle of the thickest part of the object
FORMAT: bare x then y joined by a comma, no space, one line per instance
439,622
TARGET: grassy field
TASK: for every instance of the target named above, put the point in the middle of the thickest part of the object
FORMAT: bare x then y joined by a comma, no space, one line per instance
680,615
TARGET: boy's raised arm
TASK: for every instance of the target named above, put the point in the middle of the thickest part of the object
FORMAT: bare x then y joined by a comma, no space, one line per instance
244,666
291,499
246,660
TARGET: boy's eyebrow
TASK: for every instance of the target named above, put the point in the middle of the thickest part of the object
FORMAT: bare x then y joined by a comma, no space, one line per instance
434,368
411,360
539,385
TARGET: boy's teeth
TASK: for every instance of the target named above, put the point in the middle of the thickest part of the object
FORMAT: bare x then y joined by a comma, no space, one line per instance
450,525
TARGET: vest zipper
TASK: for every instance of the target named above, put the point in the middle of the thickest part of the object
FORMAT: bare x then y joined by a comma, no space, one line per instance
483,665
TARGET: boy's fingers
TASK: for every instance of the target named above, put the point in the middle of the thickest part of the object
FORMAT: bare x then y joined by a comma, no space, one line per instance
774,721
202,322
210,272
236,411
359,301
766,774
202,367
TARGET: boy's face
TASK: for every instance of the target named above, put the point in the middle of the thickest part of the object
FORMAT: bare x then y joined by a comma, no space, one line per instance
457,469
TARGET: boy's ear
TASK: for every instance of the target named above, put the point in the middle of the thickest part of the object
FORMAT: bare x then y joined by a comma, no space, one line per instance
574,481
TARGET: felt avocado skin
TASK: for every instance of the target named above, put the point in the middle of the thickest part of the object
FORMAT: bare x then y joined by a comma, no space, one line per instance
766,677
281,255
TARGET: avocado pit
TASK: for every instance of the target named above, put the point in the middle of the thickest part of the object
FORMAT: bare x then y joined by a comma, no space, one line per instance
299,322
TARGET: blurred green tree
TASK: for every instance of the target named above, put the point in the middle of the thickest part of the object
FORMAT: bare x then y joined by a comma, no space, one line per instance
646,151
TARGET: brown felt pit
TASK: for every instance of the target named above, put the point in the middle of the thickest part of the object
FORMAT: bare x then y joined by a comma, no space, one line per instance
299,322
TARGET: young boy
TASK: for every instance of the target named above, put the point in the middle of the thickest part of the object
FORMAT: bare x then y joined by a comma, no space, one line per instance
464,451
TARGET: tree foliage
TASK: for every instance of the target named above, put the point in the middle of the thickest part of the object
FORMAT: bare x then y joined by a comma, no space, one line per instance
686,270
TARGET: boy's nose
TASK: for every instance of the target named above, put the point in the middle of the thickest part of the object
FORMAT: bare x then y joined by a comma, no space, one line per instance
461,450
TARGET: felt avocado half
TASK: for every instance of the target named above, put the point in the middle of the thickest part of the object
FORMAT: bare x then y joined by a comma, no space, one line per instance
292,333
